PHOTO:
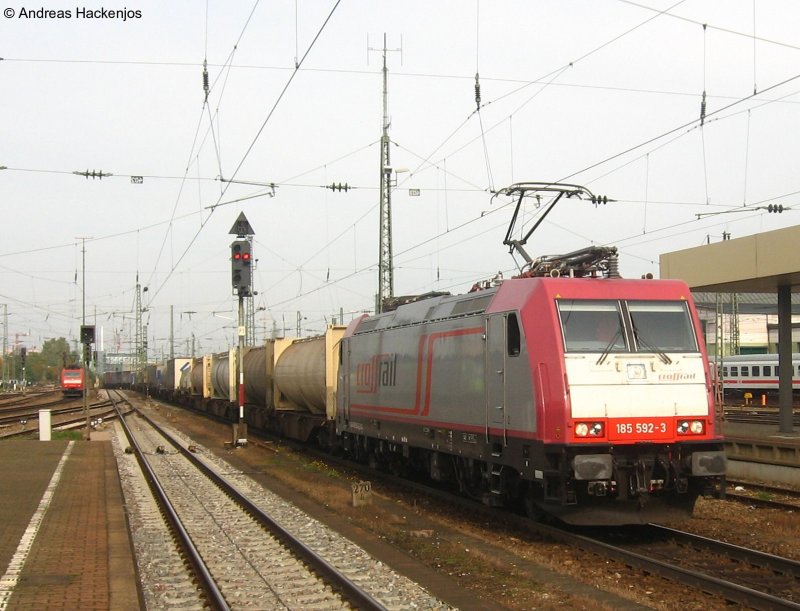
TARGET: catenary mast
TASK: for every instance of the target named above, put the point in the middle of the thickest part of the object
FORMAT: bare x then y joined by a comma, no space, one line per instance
385,264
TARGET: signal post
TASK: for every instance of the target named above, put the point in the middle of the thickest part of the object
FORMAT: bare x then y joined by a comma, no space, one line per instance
242,284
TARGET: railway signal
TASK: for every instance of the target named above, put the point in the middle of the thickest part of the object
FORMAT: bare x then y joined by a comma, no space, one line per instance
242,280
241,266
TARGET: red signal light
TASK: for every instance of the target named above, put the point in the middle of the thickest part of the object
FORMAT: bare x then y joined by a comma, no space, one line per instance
237,256
246,256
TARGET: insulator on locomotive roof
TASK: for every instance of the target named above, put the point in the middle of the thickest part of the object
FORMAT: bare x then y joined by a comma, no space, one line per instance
613,266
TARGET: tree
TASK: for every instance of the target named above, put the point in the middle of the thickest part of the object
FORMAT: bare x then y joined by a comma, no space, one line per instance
46,365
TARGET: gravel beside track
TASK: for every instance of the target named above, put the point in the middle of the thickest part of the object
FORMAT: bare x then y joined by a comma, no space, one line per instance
165,579
393,590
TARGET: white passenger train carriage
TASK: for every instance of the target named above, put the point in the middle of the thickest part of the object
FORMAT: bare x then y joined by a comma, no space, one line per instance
755,373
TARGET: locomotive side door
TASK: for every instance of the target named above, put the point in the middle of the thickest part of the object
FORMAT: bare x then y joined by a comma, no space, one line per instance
495,374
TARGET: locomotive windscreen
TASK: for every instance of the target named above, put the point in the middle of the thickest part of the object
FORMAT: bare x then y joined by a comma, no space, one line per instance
591,326
665,325
626,326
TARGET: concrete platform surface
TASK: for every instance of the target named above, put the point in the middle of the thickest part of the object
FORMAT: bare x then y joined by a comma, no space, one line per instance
64,541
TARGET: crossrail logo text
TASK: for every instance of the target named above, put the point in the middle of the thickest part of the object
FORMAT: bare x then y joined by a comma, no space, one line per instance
380,370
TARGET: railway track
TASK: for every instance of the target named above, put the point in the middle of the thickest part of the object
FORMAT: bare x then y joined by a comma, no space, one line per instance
771,582
763,495
747,577
755,414
210,508
14,416
32,407
66,418
741,575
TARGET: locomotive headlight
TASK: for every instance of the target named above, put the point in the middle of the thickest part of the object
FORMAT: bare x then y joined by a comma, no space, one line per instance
588,429
691,427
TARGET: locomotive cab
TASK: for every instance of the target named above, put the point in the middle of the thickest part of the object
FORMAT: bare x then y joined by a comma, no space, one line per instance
641,434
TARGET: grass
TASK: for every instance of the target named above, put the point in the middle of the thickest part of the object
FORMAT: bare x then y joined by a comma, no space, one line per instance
67,435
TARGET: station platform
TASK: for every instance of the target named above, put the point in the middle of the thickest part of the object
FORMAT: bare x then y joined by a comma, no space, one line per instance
64,541
762,453
749,430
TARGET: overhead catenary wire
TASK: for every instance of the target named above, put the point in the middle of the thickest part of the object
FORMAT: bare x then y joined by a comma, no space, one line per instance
249,148
703,118
549,78
683,126
275,305
204,108
209,166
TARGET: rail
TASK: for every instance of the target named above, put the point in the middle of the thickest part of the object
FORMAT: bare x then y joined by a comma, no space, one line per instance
359,598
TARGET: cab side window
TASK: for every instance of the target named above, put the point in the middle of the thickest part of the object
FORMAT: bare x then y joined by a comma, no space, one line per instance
513,335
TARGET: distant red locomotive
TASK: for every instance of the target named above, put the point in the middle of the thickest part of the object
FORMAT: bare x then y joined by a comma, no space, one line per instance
589,399
72,381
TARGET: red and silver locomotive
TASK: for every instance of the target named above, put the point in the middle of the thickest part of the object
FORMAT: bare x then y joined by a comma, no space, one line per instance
587,397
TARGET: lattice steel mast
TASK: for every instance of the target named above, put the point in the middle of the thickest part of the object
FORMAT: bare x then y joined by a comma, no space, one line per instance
385,265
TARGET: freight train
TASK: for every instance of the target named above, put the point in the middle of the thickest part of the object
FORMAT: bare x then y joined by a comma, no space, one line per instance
567,390
588,399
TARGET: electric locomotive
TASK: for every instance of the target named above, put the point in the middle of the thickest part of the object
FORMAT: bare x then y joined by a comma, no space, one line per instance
587,397
72,381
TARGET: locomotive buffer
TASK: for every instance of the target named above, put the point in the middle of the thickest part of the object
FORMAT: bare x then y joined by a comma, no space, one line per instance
242,283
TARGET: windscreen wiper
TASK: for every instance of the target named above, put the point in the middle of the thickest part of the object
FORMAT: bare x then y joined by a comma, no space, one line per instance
661,354
602,358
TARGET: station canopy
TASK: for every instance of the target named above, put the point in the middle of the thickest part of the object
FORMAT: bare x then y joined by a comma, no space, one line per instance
753,267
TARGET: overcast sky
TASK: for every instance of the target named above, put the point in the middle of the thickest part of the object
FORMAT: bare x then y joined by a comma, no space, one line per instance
601,93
